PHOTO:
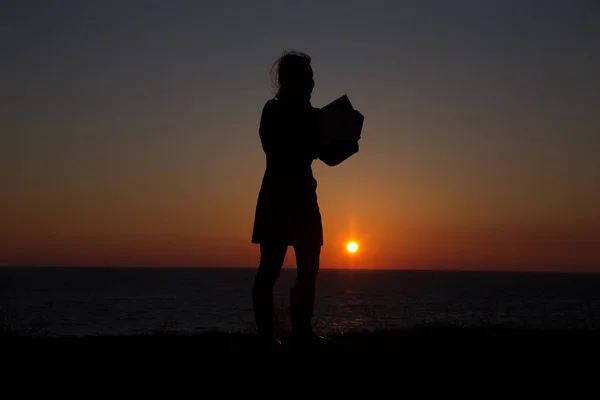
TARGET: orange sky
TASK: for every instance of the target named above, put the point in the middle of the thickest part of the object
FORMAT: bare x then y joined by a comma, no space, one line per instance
403,226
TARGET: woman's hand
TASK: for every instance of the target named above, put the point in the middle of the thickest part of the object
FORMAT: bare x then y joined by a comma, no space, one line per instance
357,124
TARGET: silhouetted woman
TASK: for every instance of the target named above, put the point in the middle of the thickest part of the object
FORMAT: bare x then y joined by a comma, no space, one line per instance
287,211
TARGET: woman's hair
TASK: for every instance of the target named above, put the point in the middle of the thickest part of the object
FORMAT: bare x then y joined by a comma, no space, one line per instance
285,66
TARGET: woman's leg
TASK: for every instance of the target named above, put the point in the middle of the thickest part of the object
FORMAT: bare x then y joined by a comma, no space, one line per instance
272,256
302,295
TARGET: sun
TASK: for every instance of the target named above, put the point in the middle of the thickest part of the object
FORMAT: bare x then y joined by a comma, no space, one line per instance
352,247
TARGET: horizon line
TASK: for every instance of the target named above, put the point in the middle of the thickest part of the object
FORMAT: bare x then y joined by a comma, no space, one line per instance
430,269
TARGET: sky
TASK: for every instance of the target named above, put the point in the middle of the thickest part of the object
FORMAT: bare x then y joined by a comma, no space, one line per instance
129,131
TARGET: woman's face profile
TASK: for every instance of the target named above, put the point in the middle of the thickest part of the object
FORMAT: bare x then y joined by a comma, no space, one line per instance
300,80
309,81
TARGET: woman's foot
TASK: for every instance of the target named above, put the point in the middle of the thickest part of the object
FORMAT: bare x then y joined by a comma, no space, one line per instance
309,337
269,340
302,304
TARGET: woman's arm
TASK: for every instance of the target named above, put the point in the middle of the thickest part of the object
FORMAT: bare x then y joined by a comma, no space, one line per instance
288,134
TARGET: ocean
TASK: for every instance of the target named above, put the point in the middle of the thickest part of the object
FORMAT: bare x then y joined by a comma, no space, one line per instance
118,301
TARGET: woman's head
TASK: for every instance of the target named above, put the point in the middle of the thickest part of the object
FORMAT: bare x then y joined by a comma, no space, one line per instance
292,75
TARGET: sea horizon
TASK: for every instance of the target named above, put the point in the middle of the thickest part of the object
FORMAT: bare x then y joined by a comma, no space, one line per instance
554,271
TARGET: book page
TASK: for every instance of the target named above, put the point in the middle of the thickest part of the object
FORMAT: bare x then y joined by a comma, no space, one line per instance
338,120
341,104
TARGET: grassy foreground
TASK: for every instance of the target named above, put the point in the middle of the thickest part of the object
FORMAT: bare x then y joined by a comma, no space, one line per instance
405,340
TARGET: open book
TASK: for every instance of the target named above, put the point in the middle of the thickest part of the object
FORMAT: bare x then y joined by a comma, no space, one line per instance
340,126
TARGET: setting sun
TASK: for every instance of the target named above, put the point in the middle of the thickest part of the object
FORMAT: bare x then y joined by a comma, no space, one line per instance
352,247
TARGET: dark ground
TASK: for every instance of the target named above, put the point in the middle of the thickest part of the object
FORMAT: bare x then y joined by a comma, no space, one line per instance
429,337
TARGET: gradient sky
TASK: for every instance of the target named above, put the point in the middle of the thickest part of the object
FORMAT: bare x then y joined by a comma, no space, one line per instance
129,131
